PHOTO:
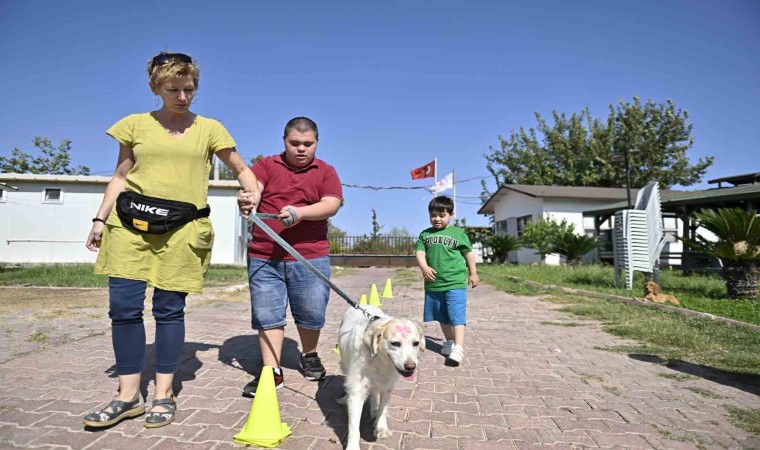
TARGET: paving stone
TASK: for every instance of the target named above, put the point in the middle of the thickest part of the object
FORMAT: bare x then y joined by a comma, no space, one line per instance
514,390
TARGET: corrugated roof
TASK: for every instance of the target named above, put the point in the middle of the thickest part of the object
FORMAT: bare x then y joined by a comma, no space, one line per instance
671,200
567,192
90,179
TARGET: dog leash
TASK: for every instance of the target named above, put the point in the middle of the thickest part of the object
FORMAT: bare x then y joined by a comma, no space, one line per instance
258,220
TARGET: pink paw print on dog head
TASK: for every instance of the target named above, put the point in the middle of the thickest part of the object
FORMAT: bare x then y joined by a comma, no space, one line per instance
403,330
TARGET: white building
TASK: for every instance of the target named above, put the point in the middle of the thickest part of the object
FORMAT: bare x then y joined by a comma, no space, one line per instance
46,218
513,206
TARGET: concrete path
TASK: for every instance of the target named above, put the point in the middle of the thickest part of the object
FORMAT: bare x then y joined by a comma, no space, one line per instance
527,381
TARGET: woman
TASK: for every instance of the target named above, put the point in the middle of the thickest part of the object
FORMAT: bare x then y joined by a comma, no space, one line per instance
165,154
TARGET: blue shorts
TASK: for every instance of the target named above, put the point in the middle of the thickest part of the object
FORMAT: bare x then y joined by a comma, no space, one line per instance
276,283
447,307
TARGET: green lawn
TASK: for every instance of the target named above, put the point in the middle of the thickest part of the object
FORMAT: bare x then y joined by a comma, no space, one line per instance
666,335
706,293
81,275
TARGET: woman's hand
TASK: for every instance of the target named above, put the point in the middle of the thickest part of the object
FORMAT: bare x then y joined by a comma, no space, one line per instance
95,236
248,201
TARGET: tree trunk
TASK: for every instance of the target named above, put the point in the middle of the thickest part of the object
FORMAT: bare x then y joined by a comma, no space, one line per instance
741,279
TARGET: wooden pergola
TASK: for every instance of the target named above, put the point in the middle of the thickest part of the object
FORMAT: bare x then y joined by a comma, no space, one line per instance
743,192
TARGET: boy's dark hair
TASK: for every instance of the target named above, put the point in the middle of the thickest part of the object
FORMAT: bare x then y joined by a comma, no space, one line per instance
302,125
440,204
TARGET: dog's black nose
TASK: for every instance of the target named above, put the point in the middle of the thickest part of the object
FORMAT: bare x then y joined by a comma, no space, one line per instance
410,366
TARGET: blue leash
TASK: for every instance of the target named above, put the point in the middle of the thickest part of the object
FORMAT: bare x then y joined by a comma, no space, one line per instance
258,220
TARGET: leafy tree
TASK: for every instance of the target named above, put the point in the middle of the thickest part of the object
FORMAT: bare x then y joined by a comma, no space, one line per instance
737,244
401,232
225,173
336,237
53,161
581,150
376,227
545,233
501,245
573,246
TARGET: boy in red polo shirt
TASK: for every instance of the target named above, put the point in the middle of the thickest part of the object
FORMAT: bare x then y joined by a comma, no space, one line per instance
304,191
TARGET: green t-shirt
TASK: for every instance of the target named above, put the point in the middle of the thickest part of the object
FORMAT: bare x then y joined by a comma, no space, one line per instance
444,251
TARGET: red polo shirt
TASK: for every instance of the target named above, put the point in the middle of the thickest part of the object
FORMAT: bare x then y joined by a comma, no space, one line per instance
285,185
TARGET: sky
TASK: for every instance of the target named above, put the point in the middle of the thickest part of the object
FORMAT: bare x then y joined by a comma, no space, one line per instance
392,84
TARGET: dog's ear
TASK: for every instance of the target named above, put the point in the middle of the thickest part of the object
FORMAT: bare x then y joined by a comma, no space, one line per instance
372,337
422,337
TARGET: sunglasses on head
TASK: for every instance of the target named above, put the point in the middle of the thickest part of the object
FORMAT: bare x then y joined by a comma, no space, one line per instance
167,58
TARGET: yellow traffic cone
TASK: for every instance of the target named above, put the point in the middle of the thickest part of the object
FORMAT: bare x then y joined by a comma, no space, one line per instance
336,349
263,427
388,290
363,300
374,299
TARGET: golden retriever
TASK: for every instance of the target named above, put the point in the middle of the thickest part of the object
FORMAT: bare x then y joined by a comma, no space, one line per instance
652,292
373,355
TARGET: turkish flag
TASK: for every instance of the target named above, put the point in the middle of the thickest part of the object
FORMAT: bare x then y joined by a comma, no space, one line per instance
426,171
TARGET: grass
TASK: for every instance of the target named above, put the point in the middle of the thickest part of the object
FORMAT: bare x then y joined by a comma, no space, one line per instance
406,277
704,392
678,376
665,334
746,419
698,292
81,275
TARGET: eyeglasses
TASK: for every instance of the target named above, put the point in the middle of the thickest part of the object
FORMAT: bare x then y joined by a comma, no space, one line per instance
167,58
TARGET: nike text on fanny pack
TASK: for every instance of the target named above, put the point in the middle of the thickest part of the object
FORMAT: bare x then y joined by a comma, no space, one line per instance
149,209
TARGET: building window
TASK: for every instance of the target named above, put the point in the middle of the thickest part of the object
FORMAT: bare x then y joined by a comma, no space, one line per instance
500,227
53,195
521,222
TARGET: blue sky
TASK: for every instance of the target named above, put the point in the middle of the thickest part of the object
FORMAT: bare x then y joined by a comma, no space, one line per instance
391,84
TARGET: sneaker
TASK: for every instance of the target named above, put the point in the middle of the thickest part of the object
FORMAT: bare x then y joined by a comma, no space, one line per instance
446,348
457,354
311,367
249,390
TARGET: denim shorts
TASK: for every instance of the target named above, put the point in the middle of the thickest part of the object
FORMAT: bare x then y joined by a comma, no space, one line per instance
447,307
275,284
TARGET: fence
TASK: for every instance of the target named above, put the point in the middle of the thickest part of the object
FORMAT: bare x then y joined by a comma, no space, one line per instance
368,245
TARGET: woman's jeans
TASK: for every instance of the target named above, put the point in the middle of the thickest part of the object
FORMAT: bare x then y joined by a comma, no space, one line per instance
127,301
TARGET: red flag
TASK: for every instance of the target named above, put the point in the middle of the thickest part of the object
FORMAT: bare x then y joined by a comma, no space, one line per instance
426,171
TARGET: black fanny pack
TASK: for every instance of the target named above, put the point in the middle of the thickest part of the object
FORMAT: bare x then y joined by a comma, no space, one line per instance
153,215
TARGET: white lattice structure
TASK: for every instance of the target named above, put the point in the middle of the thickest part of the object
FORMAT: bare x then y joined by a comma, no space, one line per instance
638,238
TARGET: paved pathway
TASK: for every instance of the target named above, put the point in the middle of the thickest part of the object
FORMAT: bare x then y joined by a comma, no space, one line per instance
526,382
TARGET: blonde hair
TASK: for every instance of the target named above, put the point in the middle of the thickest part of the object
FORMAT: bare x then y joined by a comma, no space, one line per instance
157,75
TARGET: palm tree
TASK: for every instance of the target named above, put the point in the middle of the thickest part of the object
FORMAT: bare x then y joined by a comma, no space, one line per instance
502,244
737,246
573,246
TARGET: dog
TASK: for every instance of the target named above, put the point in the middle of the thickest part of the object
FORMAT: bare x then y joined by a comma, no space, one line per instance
652,293
374,354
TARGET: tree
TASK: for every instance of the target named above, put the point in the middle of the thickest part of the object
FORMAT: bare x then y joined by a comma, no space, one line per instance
376,227
53,161
402,232
336,237
544,234
225,173
581,150
573,246
501,245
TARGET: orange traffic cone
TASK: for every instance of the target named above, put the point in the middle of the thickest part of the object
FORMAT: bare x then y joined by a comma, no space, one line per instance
388,290
263,427
374,299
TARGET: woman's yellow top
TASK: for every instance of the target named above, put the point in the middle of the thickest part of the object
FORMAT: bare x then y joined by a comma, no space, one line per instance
174,169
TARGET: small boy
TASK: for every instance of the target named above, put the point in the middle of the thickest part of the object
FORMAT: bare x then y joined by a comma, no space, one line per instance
445,257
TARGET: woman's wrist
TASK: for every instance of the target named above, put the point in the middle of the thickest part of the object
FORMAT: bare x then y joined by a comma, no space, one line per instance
98,219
